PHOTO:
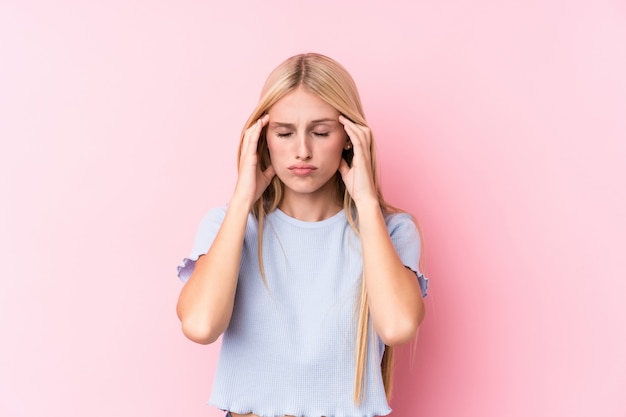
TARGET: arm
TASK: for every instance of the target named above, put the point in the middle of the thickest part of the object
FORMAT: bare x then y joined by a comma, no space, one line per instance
205,304
395,298
206,301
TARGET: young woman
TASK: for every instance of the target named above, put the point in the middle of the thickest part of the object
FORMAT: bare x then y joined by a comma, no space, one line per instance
309,275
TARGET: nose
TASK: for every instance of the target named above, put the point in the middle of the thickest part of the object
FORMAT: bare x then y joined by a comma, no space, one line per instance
303,148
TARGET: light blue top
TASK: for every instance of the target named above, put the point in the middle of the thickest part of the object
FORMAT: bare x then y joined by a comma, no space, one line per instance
290,348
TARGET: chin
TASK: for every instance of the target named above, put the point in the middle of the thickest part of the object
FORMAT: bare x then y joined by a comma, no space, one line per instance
305,185
302,190
301,187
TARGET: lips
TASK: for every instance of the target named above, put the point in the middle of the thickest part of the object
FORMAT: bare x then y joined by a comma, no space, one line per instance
302,170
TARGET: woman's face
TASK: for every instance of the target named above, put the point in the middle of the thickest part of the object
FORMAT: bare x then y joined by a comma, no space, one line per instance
305,141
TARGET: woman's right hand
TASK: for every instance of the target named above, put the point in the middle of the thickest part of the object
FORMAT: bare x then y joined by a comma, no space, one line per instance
205,304
252,181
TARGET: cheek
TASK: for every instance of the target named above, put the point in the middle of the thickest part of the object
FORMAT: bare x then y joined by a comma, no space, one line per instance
277,151
337,148
333,155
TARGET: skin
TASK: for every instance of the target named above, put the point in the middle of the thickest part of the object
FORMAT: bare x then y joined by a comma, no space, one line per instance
305,137
304,132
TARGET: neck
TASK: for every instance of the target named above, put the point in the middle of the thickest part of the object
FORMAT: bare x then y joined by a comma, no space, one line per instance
310,207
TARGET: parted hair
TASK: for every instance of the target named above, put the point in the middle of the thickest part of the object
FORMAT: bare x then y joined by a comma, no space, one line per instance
331,82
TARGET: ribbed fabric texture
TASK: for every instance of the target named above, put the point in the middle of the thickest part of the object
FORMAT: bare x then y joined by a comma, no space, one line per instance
290,347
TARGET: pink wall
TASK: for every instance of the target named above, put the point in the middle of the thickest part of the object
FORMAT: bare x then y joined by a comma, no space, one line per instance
501,125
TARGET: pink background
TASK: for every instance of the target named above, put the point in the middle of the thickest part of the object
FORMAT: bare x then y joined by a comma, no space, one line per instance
501,125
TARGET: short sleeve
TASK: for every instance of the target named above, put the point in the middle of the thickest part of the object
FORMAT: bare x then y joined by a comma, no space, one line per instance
406,239
209,226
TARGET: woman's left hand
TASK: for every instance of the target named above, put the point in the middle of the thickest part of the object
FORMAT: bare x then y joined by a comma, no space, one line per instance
359,179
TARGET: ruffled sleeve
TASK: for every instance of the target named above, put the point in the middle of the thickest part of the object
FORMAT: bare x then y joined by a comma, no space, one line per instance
205,235
406,239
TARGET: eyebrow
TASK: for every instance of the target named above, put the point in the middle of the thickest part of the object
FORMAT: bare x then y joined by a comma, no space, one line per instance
313,122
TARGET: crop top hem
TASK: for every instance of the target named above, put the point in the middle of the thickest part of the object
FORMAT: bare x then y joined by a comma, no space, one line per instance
241,409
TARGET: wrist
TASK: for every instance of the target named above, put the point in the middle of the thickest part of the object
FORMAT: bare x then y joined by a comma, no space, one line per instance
367,203
369,206
240,203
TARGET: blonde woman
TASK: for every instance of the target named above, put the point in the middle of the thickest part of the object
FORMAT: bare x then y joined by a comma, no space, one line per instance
308,274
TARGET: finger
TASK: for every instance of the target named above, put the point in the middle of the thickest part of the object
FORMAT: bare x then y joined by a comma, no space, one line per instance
261,123
360,144
269,173
251,137
361,138
247,138
347,126
343,168
354,130
344,120
347,122
356,127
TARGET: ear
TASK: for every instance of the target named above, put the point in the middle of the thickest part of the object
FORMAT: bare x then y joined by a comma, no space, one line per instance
348,153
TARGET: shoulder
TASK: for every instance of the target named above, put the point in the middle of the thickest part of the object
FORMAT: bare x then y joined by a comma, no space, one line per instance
213,219
404,232
401,223
215,215
209,225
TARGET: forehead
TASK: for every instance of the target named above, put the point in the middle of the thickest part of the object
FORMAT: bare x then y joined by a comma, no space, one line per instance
301,104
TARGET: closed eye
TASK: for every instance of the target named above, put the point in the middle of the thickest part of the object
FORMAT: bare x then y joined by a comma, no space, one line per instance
283,135
322,134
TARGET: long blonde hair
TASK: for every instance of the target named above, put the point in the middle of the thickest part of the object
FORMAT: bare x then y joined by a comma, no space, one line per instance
331,82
